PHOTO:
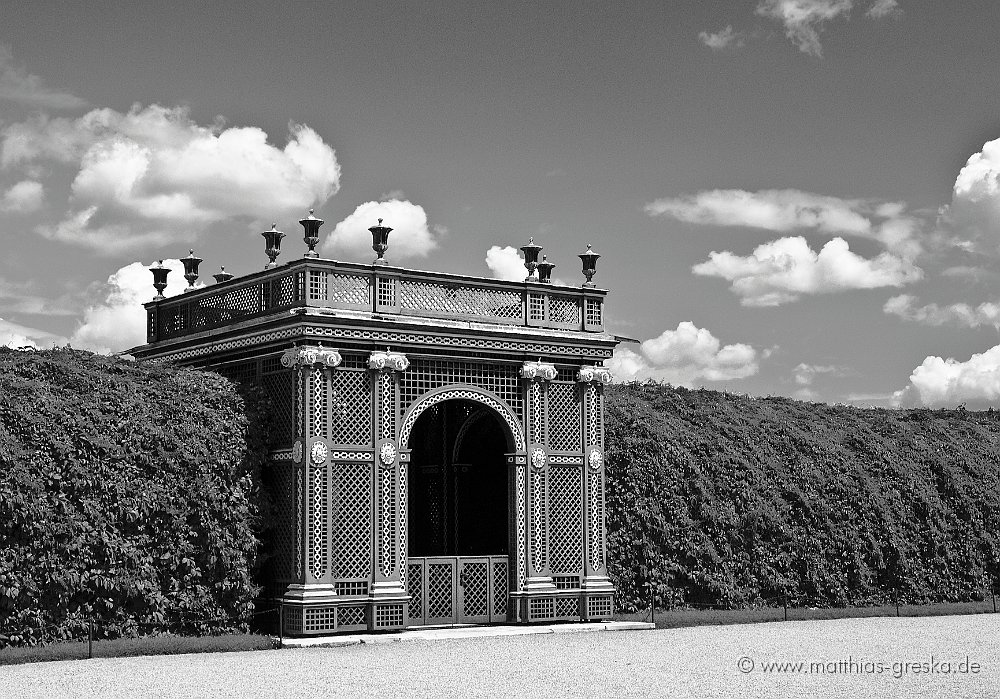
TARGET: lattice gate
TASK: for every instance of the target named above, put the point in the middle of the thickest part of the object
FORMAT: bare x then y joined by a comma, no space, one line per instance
458,590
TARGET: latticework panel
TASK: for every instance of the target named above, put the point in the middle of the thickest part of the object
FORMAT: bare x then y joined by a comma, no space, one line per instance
386,291
403,541
427,374
536,307
352,527
317,286
566,582
415,587
318,512
320,619
539,549
541,608
599,607
348,288
537,410
564,309
596,496
475,589
459,300
440,591
520,521
351,616
387,520
565,433
280,389
567,606
387,615
566,519
501,588
594,312
350,407
387,406
595,427
293,620
284,540
351,588
319,396
298,521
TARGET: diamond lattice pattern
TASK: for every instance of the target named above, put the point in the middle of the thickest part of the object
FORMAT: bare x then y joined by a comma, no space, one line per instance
566,519
352,531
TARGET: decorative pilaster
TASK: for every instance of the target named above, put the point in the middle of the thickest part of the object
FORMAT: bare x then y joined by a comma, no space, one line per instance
390,477
536,376
310,454
593,380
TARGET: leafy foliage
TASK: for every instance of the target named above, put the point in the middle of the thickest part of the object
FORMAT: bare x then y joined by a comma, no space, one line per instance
736,501
129,494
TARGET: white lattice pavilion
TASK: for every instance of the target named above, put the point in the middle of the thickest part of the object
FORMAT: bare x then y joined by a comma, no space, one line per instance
439,438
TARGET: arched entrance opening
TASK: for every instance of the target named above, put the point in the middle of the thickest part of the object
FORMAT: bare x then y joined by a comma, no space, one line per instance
459,500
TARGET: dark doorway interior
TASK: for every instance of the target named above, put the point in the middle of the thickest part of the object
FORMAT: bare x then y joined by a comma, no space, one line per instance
458,495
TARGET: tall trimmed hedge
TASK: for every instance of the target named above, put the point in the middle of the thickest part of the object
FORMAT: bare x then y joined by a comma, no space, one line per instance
731,500
129,494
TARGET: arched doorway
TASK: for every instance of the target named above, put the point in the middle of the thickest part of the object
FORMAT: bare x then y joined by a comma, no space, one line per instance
458,536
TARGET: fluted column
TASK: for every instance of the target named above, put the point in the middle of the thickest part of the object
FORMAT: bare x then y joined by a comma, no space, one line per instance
593,380
390,477
536,376
310,454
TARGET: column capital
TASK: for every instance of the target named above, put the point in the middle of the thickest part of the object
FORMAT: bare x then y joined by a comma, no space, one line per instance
538,371
594,374
388,361
309,355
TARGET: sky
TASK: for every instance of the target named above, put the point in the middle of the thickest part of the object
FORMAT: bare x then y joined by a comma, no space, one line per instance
790,197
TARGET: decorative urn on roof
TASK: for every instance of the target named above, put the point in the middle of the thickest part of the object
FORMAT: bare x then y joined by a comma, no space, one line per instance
272,245
159,279
531,257
191,269
310,225
589,265
380,241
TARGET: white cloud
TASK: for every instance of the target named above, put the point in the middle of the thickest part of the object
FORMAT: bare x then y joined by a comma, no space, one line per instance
804,374
974,212
804,19
18,85
723,39
24,197
783,270
948,382
506,263
683,357
904,306
788,210
884,8
410,236
117,321
14,335
152,175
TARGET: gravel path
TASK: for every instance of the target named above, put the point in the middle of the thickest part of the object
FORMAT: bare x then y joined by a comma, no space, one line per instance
701,661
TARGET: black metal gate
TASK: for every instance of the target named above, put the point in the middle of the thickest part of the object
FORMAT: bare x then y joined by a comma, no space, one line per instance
457,589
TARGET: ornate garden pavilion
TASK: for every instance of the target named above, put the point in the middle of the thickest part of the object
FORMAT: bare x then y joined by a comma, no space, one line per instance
440,436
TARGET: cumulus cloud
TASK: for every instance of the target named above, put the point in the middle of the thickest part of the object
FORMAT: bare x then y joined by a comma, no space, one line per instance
974,212
506,263
117,320
683,357
722,39
803,20
22,198
154,175
905,306
14,335
788,210
784,270
948,382
884,8
18,85
410,237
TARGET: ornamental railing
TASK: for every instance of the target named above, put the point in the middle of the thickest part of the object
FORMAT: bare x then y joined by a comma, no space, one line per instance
379,289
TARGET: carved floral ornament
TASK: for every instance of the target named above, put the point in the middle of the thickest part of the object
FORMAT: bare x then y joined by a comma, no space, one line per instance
538,371
388,361
595,459
538,457
387,454
297,452
307,356
594,374
319,453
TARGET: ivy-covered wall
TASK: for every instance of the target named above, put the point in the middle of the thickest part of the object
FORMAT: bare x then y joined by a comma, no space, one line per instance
725,499
129,494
